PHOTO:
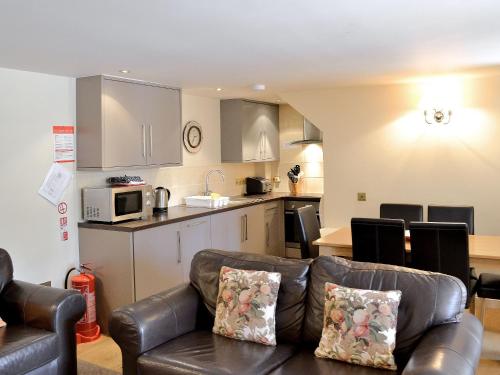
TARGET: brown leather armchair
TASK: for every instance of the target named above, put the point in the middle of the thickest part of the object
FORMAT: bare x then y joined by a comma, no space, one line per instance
170,333
40,334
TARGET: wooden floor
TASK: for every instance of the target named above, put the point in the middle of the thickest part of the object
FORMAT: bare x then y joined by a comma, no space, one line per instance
105,353
102,352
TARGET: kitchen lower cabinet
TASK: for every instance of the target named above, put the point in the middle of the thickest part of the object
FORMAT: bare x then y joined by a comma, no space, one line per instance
163,254
255,238
228,230
158,260
243,229
195,236
274,229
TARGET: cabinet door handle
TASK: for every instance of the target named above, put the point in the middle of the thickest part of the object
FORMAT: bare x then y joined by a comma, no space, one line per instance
143,141
196,224
151,141
179,251
246,227
242,229
267,234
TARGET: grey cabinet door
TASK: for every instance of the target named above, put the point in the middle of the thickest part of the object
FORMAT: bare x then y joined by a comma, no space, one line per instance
124,133
163,120
227,229
254,229
195,236
252,132
157,260
271,130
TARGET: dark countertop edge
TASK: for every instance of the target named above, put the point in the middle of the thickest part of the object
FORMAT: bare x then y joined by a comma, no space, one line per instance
209,211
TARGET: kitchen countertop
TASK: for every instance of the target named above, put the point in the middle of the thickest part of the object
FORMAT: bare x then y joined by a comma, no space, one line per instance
182,212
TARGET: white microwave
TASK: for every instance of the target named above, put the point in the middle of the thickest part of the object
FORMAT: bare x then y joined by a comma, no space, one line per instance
115,204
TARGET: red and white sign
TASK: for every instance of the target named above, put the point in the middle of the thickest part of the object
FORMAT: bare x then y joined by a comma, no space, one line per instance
64,143
62,208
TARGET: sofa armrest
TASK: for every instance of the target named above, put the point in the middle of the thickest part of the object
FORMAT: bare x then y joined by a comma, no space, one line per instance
51,309
453,348
42,307
141,326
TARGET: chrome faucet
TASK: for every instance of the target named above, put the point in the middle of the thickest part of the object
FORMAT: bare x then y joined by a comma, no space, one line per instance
208,192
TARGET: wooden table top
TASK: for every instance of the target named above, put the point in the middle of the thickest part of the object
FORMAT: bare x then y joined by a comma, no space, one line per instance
480,247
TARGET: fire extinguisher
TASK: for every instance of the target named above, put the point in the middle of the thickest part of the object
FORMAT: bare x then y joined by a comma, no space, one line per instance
87,329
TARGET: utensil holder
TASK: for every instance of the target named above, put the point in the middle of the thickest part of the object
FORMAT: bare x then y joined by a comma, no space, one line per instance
296,188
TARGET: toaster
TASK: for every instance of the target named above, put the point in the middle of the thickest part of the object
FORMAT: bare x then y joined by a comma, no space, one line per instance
258,185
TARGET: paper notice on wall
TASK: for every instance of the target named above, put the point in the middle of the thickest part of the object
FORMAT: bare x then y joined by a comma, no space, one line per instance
56,181
64,143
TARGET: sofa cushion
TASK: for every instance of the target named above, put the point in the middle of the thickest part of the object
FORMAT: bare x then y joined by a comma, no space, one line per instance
304,362
202,352
290,310
6,269
428,298
23,349
246,305
359,326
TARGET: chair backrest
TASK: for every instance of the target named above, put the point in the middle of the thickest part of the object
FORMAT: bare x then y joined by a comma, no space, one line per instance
407,212
308,229
6,269
452,214
441,247
378,241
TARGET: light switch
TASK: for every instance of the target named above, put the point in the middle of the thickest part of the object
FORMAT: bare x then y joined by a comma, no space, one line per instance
362,197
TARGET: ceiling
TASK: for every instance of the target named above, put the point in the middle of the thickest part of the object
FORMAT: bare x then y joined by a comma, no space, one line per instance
200,45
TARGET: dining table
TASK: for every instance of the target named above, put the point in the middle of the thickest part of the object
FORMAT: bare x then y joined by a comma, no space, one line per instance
484,250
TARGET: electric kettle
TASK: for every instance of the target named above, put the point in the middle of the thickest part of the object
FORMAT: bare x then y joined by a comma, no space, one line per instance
162,196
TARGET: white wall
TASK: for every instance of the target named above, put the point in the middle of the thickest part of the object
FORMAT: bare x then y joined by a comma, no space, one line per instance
30,104
376,141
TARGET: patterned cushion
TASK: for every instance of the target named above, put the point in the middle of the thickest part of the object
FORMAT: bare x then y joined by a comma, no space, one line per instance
359,326
246,305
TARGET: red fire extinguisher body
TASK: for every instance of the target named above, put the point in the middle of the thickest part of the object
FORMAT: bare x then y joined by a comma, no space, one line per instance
87,328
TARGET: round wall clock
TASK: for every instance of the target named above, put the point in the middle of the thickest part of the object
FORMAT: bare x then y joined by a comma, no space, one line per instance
192,136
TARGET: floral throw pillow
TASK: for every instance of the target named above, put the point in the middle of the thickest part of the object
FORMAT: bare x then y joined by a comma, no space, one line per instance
246,305
359,326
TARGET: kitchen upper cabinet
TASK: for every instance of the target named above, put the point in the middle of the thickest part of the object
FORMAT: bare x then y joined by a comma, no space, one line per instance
123,123
249,131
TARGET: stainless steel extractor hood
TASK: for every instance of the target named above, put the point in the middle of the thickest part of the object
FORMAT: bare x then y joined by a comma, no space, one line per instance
311,134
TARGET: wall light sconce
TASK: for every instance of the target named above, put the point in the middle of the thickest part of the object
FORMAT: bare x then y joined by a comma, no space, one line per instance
437,116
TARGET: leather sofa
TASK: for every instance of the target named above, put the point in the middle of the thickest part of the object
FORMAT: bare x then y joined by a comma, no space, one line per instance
39,337
170,333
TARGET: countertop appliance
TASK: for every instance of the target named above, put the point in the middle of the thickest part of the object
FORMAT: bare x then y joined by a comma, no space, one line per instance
292,242
162,196
258,185
114,204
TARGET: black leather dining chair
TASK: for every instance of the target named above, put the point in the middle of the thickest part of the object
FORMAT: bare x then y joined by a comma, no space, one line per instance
452,214
378,241
407,212
308,229
443,247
